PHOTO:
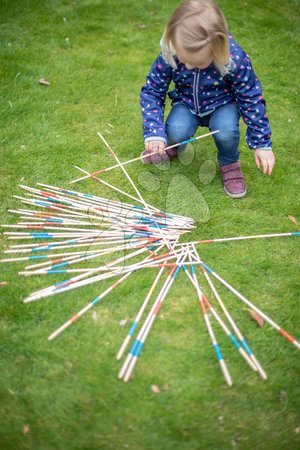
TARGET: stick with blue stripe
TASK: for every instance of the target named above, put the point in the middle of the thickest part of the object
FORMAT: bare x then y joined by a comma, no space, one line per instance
47,205
30,235
137,347
91,304
67,262
255,363
222,324
167,243
115,188
271,322
61,257
81,205
107,274
108,207
42,226
107,212
69,243
133,355
193,139
40,215
242,238
220,358
87,307
87,210
229,333
79,280
139,315
131,208
70,255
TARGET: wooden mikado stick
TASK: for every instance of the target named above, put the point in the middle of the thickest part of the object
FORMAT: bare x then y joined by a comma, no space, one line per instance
107,169
222,324
271,322
139,315
211,333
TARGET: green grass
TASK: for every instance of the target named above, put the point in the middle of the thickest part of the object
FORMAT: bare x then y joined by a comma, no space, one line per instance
96,55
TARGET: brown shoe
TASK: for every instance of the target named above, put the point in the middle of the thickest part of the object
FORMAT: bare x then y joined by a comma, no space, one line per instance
233,180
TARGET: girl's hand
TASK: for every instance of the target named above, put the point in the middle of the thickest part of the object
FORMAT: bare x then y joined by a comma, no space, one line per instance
264,159
155,146
155,153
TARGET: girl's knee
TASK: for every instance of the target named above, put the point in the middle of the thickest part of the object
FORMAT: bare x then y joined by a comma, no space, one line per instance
226,118
181,124
177,132
227,136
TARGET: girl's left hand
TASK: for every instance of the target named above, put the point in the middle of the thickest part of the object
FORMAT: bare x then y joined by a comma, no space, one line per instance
264,159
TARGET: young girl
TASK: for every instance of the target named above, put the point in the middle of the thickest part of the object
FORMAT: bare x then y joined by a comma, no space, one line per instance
214,85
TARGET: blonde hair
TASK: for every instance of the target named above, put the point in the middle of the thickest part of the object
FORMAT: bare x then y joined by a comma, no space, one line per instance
197,23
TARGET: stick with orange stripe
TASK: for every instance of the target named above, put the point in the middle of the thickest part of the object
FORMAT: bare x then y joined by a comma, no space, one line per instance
139,315
134,353
107,169
271,322
91,305
234,326
211,333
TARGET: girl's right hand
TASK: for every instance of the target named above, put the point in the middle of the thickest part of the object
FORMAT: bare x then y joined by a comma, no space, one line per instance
155,146
155,153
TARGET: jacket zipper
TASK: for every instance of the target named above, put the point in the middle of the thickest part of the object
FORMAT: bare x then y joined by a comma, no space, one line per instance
195,90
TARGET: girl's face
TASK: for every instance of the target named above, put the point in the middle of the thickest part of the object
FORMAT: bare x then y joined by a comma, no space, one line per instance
200,59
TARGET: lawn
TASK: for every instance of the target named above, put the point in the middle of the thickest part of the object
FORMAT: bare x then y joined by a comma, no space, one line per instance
66,394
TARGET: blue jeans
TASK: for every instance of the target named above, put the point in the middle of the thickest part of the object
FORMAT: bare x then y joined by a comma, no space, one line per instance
182,124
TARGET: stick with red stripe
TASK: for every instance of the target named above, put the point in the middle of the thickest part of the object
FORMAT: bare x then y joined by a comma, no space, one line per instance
242,238
79,280
271,322
134,353
234,326
211,333
107,169
222,324
134,187
139,315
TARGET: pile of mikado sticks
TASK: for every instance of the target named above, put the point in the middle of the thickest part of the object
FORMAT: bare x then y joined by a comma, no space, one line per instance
66,229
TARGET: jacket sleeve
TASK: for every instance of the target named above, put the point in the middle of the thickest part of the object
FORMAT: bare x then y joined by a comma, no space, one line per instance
248,93
153,99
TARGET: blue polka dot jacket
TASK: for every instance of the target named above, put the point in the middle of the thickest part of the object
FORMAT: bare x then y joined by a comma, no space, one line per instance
203,91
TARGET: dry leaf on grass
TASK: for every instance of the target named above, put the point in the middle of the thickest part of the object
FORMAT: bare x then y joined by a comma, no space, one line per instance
123,322
297,430
293,219
44,82
255,316
3,283
283,395
95,316
25,429
155,389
